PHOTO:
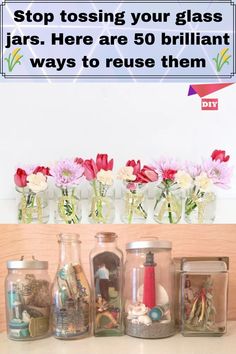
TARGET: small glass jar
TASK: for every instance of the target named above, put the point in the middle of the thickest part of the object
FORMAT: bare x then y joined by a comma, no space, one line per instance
200,207
27,288
70,293
32,208
168,204
203,296
134,203
148,293
107,280
67,205
101,203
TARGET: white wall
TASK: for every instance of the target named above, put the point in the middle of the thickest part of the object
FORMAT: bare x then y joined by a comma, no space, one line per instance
44,122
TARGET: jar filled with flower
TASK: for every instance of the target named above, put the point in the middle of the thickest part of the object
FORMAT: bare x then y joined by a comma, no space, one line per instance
32,195
168,203
134,201
101,192
67,175
200,202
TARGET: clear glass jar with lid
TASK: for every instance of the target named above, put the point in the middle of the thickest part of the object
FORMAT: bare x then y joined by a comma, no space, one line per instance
106,261
27,288
148,293
204,296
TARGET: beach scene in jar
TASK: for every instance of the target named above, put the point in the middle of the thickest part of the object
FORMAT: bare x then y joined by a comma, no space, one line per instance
71,303
204,304
108,301
28,303
148,304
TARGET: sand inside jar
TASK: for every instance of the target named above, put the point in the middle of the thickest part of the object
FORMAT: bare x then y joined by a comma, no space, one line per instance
155,330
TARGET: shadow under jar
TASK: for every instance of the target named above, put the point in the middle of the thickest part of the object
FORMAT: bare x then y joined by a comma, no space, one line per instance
148,292
32,208
70,293
168,204
106,264
27,289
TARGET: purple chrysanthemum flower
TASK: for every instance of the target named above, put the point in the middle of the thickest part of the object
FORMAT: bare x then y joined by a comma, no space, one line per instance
67,173
193,169
219,172
164,165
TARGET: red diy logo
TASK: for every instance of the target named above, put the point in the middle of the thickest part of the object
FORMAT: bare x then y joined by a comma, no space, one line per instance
209,104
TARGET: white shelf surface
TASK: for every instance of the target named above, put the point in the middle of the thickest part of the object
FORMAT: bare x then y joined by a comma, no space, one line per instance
225,212
123,345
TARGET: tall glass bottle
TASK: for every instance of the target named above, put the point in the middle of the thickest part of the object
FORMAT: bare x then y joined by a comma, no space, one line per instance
70,293
107,279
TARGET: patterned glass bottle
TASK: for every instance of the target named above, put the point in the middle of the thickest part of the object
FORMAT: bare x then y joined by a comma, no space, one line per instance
70,293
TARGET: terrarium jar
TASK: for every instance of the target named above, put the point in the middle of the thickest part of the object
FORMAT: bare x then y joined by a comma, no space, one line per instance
70,293
67,205
134,203
107,279
168,204
148,293
32,208
203,296
101,203
27,289
200,207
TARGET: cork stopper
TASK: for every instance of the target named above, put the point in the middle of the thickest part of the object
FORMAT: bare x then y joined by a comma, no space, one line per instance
106,236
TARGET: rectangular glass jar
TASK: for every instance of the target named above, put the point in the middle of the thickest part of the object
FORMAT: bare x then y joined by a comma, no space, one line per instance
204,296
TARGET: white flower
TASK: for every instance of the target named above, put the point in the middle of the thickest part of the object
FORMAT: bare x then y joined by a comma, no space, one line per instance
203,182
183,179
105,177
126,174
37,182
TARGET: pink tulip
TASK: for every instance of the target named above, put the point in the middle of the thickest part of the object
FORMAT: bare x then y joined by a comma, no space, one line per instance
103,163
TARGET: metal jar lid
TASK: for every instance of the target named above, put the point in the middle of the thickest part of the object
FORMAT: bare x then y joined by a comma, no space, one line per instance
158,244
27,264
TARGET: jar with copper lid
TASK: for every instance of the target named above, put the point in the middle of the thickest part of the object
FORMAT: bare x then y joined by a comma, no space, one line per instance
27,288
107,279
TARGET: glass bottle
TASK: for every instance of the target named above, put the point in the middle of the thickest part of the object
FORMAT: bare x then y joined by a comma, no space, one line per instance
68,205
204,296
107,278
27,289
70,292
148,291
32,208
134,203
200,207
168,204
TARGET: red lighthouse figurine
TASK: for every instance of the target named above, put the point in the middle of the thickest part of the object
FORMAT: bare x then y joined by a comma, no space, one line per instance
149,286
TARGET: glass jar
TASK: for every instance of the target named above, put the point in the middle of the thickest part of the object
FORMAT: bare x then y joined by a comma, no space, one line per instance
107,279
101,203
203,296
168,204
148,293
32,208
27,289
200,207
134,203
68,205
70,292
